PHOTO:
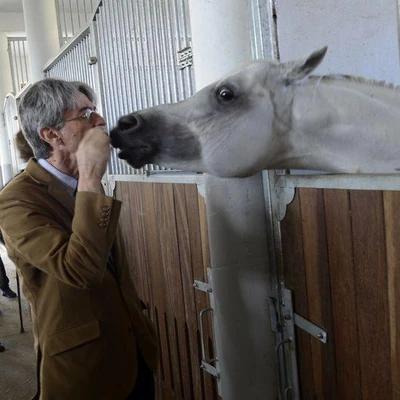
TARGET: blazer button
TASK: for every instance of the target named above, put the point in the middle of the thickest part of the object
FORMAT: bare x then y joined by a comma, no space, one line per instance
105,208
102,225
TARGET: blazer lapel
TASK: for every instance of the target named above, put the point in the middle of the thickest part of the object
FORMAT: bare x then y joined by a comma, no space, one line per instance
55,187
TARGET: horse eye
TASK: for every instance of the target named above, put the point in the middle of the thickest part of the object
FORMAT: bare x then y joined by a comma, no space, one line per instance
225,94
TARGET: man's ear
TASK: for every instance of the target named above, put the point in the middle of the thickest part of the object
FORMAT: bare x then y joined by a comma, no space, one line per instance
50,135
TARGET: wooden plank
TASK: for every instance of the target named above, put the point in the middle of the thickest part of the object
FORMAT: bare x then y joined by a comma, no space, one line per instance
138,254
205,246
372,294
295,279
391,201
175,316
343,293
151,248
187,254
203,301
318,290
197,224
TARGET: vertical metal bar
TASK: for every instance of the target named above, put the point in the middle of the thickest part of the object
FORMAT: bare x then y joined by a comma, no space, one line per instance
10,57
18,64
104,47
163,40
26,61
137,38
21,322
79,17
85,10
59,24
127,55
187,34
155,52
144,53
65,37
72,19
171,51
111,32
176,19
14,57
121,71
139,49
137,66
151,59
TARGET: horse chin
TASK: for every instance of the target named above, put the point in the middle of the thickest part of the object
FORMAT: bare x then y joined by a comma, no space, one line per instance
137,157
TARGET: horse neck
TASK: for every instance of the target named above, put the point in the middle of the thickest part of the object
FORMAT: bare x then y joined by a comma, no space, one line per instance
344,126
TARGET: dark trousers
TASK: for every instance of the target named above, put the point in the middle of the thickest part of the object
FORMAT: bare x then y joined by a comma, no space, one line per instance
4,281
144,386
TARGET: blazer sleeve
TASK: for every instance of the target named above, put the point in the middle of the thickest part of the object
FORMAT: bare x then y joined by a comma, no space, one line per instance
75,252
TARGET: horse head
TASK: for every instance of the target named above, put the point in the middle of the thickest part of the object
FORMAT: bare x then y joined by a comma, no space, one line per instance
231,128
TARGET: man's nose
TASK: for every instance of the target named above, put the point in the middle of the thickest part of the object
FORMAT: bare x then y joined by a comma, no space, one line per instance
98,120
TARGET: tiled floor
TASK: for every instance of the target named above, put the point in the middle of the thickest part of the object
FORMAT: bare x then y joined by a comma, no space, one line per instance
17,362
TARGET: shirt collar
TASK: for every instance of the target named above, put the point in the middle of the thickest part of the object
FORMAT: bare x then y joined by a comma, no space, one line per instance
70,182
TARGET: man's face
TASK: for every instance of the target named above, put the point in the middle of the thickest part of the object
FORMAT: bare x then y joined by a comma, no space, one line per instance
77,125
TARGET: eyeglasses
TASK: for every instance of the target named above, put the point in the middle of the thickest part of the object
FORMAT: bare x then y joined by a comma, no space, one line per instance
86,116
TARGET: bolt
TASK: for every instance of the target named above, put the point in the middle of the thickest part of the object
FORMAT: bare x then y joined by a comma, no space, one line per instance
92,60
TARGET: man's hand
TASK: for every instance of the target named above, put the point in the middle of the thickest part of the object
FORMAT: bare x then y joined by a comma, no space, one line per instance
92,157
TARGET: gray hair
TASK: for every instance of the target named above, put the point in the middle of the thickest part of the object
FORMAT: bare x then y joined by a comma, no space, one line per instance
44,106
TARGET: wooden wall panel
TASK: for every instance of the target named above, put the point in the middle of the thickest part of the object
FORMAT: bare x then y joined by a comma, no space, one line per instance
318,284
165,232
343,293
372,293
295,279
341,254
391,201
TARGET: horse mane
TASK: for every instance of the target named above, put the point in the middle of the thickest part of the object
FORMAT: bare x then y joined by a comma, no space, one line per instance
354,79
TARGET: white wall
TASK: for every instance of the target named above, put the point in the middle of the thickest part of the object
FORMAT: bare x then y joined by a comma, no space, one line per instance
10,22
362,35
42,34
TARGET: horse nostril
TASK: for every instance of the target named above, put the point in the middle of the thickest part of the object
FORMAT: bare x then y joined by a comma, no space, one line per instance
128,122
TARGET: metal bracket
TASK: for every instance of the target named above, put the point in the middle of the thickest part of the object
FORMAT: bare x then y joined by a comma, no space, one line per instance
310,328
205,364
283,322
292,318
185,57
202,286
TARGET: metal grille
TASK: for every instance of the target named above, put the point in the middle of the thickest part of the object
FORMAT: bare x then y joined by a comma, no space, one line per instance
72,16
260,25
138,50
12,127
17,50
74,63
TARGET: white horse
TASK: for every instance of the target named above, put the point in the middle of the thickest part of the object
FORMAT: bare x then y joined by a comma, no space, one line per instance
270,116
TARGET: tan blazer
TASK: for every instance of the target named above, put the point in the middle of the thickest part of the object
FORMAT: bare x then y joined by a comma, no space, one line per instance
87,323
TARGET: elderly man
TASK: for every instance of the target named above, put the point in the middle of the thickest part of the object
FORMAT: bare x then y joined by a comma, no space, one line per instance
91,336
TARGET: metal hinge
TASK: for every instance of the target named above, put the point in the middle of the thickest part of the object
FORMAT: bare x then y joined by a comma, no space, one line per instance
206,363
283,322
185,58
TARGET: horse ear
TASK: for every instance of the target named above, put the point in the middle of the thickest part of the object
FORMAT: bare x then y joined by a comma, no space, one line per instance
299,69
